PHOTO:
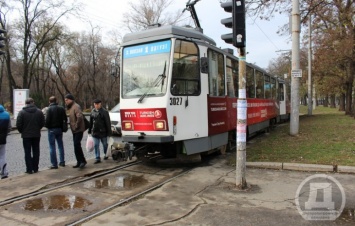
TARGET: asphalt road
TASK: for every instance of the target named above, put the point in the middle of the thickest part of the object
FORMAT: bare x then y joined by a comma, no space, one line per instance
15,156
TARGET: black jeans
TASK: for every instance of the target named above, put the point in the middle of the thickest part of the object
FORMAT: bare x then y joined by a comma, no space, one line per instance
31,146
80,158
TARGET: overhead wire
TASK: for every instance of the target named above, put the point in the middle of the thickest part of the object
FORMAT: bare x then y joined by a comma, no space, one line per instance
254,22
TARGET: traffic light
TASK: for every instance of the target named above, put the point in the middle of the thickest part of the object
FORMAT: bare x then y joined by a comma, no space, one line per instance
2,38
236,22
228,22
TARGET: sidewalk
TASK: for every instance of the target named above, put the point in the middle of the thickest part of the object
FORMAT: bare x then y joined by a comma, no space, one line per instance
204,196
207,196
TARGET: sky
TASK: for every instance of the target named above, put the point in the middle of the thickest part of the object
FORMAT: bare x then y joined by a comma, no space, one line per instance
263,44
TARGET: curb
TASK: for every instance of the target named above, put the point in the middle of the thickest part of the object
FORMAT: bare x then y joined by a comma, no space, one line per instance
302,167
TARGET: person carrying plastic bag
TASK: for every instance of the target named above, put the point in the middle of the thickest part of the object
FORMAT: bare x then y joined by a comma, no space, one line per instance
90,144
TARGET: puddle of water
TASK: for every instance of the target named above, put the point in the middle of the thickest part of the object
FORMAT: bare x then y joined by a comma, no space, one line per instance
347,215
124,181
56,202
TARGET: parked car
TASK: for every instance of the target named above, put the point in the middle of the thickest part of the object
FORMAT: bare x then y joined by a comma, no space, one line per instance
115,120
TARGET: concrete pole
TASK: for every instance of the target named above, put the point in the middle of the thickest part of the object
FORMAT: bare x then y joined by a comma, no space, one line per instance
295,81
310,66
241,138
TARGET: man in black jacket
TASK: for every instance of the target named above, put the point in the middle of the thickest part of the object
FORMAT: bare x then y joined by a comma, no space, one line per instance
100,128
55,118
30,121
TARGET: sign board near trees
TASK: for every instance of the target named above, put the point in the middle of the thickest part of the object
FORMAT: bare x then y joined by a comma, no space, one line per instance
20,96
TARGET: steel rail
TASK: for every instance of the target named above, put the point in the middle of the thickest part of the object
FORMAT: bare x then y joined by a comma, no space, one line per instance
123,201
20,197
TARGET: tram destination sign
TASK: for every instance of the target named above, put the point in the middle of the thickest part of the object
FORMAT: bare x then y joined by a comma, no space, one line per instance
296,73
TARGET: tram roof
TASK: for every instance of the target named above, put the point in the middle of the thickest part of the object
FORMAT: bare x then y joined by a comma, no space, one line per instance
163,32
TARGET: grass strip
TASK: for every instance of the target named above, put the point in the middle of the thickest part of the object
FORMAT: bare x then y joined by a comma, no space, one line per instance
326,137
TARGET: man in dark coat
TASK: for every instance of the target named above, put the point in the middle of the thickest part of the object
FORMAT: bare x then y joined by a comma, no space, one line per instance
100,128
55,118
5,128
30,121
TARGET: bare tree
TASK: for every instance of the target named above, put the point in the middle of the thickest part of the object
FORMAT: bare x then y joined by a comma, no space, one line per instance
149,12
36,27
5,9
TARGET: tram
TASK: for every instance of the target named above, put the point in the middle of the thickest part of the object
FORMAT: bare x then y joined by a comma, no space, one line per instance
178,93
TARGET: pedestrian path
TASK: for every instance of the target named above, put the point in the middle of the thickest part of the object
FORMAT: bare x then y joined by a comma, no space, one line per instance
207,195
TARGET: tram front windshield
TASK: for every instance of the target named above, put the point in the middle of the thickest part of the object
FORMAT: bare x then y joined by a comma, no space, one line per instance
144,69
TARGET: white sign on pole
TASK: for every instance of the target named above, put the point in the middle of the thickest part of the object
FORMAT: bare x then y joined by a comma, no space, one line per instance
20,96
296,73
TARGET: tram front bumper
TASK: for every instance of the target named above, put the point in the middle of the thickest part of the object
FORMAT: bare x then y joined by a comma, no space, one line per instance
147,139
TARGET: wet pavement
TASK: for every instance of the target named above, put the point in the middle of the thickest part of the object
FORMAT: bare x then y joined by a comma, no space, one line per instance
207,195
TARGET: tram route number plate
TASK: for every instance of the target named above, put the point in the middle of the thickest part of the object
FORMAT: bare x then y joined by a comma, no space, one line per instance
296,73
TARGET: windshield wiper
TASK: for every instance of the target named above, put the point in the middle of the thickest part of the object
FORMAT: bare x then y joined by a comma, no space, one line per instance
159,79
163,76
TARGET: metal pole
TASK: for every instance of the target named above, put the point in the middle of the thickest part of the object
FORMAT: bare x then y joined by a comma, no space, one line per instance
309,100
295,81
241,138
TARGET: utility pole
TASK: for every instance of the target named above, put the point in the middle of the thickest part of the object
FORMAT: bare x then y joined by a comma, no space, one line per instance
238,39
309,99
296,72
241,123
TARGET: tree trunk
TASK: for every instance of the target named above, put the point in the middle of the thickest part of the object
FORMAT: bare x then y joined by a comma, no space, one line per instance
349,87
342,102
332,101
325,102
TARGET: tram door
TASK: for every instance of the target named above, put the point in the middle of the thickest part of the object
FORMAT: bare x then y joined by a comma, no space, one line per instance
284,101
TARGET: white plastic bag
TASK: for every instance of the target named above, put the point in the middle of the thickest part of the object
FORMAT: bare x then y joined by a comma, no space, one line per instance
90,144
110,143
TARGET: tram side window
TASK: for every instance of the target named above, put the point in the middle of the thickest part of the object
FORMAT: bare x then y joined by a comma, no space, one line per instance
185,74
259,78
250,83
267,87
232,77
273,88
216,74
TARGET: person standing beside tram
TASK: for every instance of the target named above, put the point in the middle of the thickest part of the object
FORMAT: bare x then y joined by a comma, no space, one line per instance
77,126
55,117
100,128
29,122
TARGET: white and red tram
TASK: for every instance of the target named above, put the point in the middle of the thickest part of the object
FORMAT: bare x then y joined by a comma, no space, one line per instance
178,93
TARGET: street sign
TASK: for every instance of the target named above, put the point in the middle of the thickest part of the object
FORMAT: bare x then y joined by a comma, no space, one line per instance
296,73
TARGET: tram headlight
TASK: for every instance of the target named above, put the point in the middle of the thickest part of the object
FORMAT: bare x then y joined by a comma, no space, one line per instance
127,125
159,125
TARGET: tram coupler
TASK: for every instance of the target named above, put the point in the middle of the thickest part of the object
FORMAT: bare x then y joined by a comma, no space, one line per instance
122,151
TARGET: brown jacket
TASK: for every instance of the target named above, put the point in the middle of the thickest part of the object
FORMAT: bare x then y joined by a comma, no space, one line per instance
76,118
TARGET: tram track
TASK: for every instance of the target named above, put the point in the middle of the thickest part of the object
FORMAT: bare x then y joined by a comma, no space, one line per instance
83,199
61,185
128,199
